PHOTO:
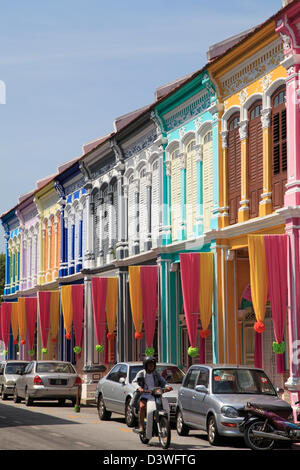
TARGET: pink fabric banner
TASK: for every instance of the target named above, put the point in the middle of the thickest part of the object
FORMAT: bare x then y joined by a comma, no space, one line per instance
99,289
190,280
5,322
258,350
44,308
30,308
77,301
150,300
276,259
0,322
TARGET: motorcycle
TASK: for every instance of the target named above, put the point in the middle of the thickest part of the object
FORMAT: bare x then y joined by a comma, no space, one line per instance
157,422
262,428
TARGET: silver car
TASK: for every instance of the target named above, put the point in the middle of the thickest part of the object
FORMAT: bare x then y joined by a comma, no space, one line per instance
212,398
115,390
47,380
8,376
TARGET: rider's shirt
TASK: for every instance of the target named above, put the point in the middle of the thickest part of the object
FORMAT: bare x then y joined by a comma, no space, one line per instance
149,385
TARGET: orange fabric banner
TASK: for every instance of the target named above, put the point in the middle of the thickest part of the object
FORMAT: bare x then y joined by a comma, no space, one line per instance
22,318
111,303
206,288
67,307
258,275
54,314
136,300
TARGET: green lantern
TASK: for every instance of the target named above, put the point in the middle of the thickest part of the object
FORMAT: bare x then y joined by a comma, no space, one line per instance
193,352
77,349
31,352
278,348
99,348
44,350
149,351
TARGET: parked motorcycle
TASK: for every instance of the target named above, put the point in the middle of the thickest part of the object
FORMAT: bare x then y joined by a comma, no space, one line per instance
157,422
263,428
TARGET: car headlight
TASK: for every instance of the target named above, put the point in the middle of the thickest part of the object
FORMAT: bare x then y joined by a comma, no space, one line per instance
229,412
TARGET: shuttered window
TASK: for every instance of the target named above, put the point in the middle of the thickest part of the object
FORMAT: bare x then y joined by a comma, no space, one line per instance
143,210
97,226
175,194
191,188
105,225
207,179
255,158
155,204
115,215
279,148
234,168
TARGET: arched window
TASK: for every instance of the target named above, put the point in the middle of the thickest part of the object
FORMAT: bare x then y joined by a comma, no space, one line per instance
191,187
279,148
234,168
255,158
207,179
175,193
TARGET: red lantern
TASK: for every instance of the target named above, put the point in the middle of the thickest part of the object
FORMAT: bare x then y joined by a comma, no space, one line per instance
68,336
15,341
110,336
204,333
138,335
53,340
259,326
23,341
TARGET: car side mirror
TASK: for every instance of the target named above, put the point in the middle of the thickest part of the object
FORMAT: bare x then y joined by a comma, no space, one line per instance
201,388
122,381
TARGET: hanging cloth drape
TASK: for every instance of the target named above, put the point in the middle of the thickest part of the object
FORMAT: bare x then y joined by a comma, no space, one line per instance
150,301
78,312
136,300
22,319
99,291
54,315
276,259
14,321
258,350
31,309
5,323
67,308
0,322
44,298
190,281
111,306
206,289
258,278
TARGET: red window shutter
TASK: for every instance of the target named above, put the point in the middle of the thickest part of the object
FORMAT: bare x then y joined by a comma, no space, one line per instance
279,148
234,169
255,158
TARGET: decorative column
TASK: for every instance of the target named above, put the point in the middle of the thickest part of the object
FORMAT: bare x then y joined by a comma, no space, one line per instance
7,265
148,242
122,229
89,254
243,213
224,209
199,227
56,267
80,240
71,267
265,205
182,230
136,241
35,259
216,111
49,234
166,213
110,198
100,214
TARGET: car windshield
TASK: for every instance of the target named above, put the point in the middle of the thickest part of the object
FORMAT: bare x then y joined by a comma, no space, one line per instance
13,368
248,381
171,374
133,371
54,367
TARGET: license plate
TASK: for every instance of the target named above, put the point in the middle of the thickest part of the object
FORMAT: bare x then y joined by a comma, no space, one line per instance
58,382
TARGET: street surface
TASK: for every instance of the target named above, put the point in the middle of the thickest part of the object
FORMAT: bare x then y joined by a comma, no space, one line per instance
47,426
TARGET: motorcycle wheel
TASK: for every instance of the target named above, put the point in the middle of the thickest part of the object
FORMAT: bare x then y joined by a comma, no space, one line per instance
143,438
165,432
258,443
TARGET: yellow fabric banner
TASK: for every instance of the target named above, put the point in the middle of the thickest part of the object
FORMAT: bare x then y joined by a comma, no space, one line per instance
136,297
22,318
14,319
258,275
111,303
206,288
67,307
54,314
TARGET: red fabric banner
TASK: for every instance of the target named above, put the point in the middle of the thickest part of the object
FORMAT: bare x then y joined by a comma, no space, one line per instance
150,301
44,308
31,308
78,312
190,280
5,322
99,290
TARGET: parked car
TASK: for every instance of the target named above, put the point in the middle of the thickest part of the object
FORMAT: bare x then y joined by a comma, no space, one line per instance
47,380
212,398
115,390
8,376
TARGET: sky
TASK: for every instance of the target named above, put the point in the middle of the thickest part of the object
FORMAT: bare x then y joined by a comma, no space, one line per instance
69,68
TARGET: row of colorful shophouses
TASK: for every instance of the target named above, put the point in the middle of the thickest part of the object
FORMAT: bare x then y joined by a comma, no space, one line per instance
178,233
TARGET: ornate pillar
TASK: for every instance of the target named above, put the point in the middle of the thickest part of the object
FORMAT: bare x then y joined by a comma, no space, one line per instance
224,209
89,254
148,242
136,241
71,267
166,202
7,265
243,213
111,251
122,229
198,229
182,230
265,205
80,240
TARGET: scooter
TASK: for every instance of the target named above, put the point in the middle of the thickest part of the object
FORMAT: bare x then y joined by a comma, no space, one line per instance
262,428
157,422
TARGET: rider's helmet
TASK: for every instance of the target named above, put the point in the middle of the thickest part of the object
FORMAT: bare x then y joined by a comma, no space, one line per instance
147,360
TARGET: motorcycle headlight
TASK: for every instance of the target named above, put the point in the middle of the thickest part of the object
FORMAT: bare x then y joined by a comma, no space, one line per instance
229,412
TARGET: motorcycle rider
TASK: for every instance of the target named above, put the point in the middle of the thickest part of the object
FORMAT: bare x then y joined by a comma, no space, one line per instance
148,379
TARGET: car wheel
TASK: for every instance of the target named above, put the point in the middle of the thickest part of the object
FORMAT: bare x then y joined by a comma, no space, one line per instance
16,397
3,394
181,427
28,399
129,415
102,411
212,431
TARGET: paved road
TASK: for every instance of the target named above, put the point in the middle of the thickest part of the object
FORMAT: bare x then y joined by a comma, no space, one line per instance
46,426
